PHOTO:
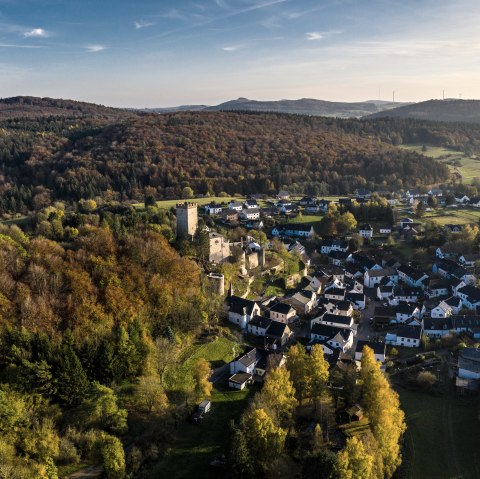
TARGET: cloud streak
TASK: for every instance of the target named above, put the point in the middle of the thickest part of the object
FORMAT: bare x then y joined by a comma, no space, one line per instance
142,24
36,33
95,48
312,36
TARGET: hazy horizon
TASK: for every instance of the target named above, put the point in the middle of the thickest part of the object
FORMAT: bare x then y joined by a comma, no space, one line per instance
147,55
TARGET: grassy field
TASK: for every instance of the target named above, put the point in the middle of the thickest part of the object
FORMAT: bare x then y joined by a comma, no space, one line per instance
196,445
469,165
453,216
443,436
167,204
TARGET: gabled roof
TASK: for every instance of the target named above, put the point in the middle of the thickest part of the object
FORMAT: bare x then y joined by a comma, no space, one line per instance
437,324
413,273
378,273
366,227
241,306
260,322
281,308
249,357
378,348
412,332
277,329
471,292
337,318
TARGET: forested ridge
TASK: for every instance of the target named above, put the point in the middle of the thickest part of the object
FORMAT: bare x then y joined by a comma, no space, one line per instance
114,154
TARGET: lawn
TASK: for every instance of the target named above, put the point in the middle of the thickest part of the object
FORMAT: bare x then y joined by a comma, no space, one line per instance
167,204
197,445
453,216
469,165
443,436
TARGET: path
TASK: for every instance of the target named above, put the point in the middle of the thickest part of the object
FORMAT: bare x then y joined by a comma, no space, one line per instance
92,472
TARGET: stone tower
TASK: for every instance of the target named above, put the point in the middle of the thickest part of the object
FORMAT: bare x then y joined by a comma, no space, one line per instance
187,219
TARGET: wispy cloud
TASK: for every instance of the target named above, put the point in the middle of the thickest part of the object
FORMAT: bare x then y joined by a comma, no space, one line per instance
233,48
12,45
314,36
36,33
95,48
142,24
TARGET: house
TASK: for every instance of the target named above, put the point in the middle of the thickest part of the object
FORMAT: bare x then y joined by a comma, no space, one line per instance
402,292
443,252
475,202
230,215
323,205
408,336
385,230
337,320
470,296
278,334
327,246
337,258
258,325
359,300
454,303
307,201
374,277
250,204
294,230
384,292
335,293
213,209
436,288
366,231
282,312
289,209
304,301
456,284
412,276
379,350
363,193
338,338
461,199
235,206
283,195
437,327
404,311
468,260
241,311
240,380
469,324
383,316
246,362
453,228
249,214
442,310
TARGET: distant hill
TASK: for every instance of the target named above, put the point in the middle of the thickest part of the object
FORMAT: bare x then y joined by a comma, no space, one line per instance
451,110
174,109
33,107
306,106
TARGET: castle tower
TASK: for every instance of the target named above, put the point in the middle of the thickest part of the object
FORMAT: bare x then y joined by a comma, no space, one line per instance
187,219
217,283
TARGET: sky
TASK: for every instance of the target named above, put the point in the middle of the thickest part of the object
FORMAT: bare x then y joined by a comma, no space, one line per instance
147,53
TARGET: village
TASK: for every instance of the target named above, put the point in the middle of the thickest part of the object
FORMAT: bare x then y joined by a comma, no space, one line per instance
344,295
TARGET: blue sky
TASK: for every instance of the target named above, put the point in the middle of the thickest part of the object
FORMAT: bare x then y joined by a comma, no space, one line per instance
147,53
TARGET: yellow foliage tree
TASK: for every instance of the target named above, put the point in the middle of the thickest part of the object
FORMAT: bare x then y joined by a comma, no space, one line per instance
382,406
355,462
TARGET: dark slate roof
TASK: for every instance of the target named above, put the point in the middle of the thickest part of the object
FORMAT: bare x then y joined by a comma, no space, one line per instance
240,305
384,311
326,331
276,329
405,308
366,227
413,273
463,321
412,332
249,357
452,301
472,292
281,308
438,324
240,378
378,348
336,292
260,322
337,318
355,297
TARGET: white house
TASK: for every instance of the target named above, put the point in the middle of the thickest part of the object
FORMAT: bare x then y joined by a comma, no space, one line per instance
409,336
470,296
282,312
378,349
412,276
337,338
304,301
337,320
250,204
385,230
242,311
442,310
213,209
258,325
366,231
328,246
235,206
373,277
246,362
249,214
437,327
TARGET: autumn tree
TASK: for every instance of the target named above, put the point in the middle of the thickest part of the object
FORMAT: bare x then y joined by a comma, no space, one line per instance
202,371
355,461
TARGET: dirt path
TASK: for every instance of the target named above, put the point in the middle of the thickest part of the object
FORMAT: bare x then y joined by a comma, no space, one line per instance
92,472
